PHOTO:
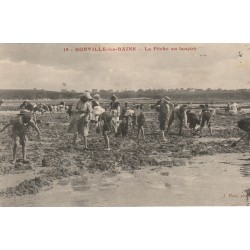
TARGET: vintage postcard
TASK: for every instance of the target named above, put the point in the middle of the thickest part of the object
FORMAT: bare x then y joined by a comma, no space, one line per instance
124,125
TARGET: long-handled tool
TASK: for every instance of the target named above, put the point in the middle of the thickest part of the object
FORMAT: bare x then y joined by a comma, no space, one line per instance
235,143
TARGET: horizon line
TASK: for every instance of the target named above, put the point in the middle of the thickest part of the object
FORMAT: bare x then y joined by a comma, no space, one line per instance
127,90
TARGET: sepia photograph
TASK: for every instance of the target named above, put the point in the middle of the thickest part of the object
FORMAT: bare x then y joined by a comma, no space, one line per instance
124,125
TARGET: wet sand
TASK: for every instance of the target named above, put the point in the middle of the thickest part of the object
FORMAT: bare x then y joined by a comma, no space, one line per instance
186,170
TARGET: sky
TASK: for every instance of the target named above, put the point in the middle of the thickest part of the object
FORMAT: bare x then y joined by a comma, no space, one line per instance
147,66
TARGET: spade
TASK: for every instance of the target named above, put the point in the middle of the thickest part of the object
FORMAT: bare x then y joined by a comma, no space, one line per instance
234,144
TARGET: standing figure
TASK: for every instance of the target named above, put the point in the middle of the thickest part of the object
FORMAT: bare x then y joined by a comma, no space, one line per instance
228,108
115,110
165,110
124,110
139,120
179,114
95,105
105,120
205,117
81,117
235,108
20,132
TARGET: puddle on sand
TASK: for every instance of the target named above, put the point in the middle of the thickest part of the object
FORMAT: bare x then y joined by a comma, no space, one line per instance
10,180
8,112
207,139
201,181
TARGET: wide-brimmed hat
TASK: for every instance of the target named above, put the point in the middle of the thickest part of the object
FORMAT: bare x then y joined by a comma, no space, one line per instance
166,98
113,97
97,96
24,112
87,96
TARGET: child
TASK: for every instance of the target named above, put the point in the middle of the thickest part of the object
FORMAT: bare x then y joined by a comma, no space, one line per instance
95,109
192,120
106,118
123,128
165,111
205,117
20,131
115,110
140,122
139,119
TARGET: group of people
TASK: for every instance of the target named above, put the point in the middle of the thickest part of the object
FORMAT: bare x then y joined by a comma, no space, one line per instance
42,108
21,126
122,121
168,112
113,118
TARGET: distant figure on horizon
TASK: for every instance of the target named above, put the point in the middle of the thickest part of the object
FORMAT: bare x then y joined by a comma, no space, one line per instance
228,108
235,108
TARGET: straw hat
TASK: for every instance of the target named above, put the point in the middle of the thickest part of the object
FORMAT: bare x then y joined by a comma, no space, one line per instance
97,96
86,95
166,98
